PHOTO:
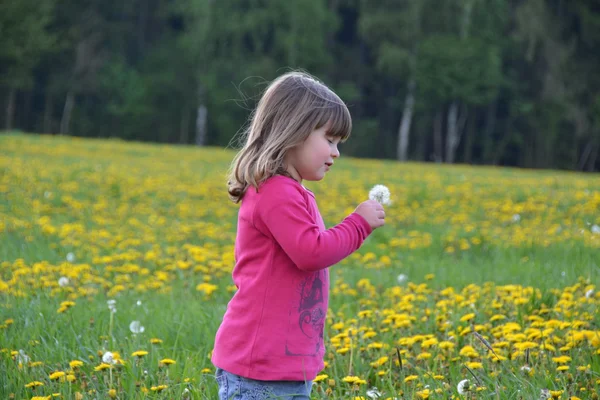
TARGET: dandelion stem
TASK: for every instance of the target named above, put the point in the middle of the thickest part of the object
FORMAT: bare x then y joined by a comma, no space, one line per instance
399,358
485,343
351,353
474,376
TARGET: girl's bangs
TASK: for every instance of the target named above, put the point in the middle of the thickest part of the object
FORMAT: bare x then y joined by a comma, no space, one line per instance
339,117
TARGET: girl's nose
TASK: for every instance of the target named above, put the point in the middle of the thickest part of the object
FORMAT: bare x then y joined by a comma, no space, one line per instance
335,153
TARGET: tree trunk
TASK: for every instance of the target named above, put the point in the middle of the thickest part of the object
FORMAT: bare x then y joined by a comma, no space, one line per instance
10,108
437,136
499,152
457,118
65,121
184,126
48,106
27,122
404,129
585,156
488,131
469,139
588,157
451,132
594,156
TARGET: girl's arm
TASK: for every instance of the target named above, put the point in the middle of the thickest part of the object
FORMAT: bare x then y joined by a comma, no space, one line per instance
283,214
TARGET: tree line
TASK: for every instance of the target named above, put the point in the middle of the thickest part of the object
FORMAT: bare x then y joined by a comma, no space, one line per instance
502,82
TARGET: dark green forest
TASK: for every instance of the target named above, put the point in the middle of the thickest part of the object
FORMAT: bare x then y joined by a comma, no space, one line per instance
500,82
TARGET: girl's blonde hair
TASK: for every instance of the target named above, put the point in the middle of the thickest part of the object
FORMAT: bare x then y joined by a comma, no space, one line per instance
292,106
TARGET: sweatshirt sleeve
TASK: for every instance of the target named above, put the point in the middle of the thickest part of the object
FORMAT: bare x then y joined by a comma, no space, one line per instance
283,213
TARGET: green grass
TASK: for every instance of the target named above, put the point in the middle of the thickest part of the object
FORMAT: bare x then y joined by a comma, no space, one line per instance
131,213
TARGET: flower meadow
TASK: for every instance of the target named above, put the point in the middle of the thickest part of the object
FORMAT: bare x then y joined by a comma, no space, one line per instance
115,263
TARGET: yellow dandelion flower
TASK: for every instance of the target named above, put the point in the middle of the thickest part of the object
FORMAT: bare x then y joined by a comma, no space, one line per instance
75,364
139,353
467,317
57,375
446,345
166,361
34,384
102,367
320,378
424,394
562,368
474,365
410,378
158,388
561,359
156,341
351,379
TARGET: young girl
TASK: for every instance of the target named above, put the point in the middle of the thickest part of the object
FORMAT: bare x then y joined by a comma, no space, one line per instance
270,343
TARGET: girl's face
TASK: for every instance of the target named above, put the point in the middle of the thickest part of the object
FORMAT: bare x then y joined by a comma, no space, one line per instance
312,159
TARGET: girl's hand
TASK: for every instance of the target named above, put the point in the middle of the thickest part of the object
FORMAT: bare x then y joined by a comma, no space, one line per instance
372,212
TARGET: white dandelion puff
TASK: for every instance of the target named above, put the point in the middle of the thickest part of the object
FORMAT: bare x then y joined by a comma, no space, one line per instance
373,393
516,218
595,229
545,394
112,305
381,194
136,327
589,294
23,358
463,386
63,281
70,257
108,358
402,278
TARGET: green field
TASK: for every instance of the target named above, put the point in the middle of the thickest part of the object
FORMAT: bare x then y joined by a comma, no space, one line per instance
486,274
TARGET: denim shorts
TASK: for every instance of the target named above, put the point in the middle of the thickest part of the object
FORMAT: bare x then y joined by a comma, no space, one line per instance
234,387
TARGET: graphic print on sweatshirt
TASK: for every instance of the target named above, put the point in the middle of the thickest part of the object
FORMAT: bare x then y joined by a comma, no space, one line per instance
307,318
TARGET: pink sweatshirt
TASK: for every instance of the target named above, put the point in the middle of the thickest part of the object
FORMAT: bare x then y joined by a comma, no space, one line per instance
273,326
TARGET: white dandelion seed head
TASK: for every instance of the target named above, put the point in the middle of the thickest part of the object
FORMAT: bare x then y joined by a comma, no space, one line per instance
70,257
373,393
63,281
402,278
139,303
595,229
589,294
516,218
463,386
381,194
112,305
525,368
22,358
107,358
545,394
136,327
